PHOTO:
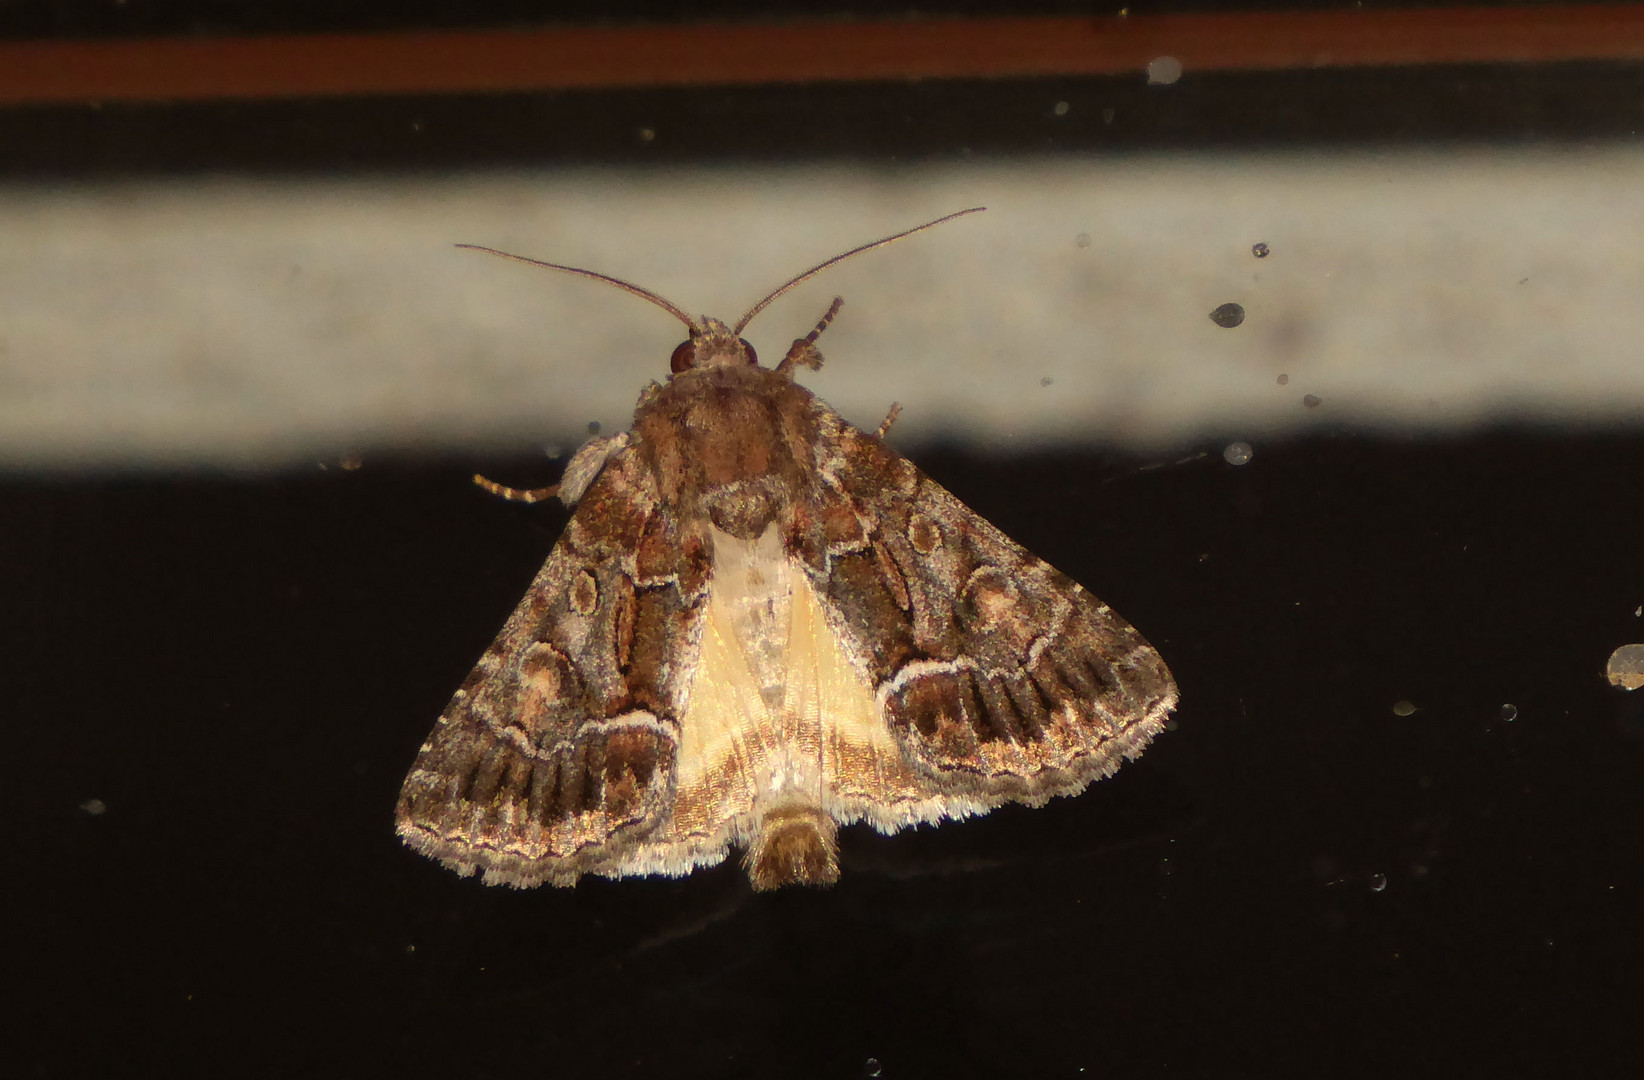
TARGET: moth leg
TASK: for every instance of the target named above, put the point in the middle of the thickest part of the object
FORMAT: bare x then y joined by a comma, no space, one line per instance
890,418
525,495
803,352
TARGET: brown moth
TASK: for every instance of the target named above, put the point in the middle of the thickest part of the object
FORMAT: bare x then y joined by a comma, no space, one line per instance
762,623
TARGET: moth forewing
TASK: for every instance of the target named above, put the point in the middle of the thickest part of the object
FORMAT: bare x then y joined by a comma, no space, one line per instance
762,623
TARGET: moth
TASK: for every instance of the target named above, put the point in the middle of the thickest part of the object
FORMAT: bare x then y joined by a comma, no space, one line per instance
759,624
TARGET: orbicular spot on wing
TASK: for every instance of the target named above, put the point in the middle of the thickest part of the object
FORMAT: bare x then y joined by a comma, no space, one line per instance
584,595
924,534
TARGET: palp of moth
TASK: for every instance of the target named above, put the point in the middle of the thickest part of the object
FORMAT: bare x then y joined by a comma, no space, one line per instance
762,623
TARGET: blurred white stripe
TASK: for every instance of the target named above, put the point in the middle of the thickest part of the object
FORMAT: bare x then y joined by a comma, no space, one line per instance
250,323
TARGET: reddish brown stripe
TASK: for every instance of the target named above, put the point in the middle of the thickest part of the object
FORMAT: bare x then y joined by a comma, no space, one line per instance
178,69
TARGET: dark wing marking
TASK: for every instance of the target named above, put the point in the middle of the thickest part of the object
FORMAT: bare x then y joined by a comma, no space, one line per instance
1000,677
556,757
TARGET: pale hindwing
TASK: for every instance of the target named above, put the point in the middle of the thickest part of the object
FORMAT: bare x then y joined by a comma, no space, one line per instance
556,756
999,678
780,721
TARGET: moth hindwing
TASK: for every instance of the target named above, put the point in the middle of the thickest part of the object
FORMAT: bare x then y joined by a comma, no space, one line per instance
760,624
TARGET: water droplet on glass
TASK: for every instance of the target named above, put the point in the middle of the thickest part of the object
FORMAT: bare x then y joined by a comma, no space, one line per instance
1163,70
1228,316
1509,713
593,427
871,1067
1108,114
1626,667
1261,251
1403,708
1082,240
1237,453
646,135
1312,401
1060,108
94,807
1284,380
1378,882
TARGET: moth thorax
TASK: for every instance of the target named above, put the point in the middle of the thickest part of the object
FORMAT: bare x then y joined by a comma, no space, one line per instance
796,844
742,510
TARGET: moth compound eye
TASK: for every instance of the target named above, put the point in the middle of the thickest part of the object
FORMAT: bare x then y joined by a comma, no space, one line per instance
684,357
753,357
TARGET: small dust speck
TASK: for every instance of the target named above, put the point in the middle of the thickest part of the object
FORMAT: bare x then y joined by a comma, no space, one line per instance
646,135
409,949
1626,667
1046,381
349,462
1082,240
1060,108
1312,401
1108,114
1163,70
1261,251
593,427
1403,708
1508,713
1237,453
1283,380
94,807
1378,882
1228,316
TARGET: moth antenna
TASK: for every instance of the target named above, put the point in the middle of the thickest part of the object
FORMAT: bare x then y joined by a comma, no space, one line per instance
890,418
512,494
813,271
628,287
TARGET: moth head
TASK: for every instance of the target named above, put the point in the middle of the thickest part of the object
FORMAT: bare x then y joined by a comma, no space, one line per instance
712,344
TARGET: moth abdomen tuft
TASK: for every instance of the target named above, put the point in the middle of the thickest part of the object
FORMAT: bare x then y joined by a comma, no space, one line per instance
794,845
